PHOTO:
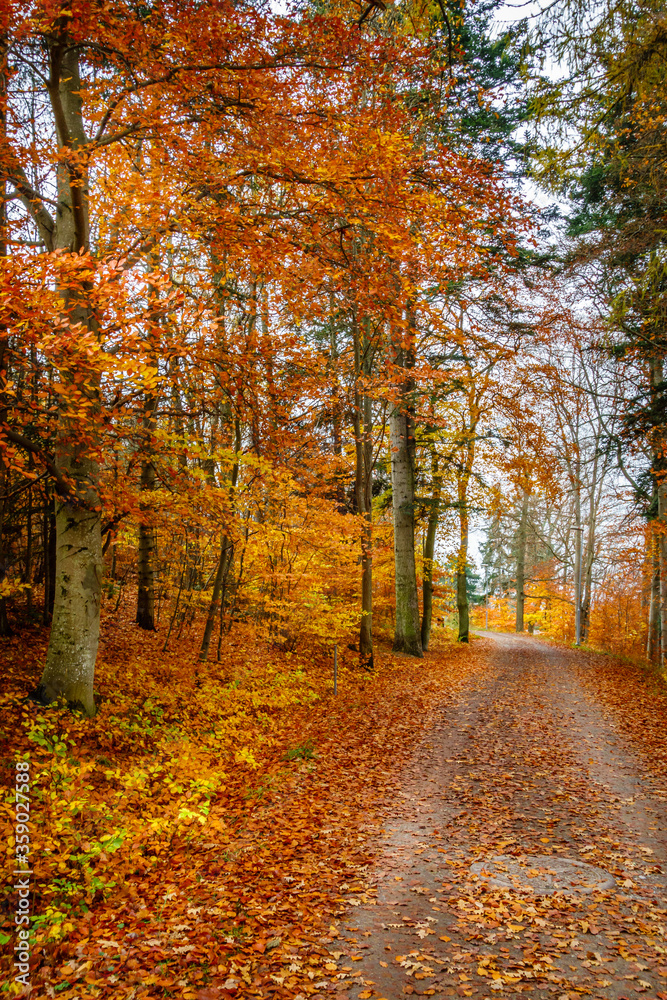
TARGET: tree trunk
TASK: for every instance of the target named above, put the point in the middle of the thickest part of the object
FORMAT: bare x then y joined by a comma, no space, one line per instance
578,529
145,555
72,651
363,432
224,559
462,555
336,416
521,563
28,554
224,562
70,661
429,552
662,558
145,617
653,637
588,557
5,629
461,581
407,634
366,627
656,377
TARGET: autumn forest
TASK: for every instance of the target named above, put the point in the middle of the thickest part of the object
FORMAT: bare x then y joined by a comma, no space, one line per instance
332,394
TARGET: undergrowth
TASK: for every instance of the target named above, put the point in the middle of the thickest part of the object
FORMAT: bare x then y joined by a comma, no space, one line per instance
180,756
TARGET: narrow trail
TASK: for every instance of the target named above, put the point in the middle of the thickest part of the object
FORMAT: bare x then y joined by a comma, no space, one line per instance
525,768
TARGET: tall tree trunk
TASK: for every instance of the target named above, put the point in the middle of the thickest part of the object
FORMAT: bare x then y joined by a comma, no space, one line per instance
589,549
224,559
521,562
587,593
363,431
28,553
147,547
224,562
5,627
461,580
336,414
429,550
70,661
578,530
366,627
145,617
407,632
653,637
662,562
462,554
656,377
662,550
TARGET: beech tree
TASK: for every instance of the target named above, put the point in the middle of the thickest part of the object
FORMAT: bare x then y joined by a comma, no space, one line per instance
99,78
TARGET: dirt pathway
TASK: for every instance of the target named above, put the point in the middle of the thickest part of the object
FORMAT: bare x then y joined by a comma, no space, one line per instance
525,769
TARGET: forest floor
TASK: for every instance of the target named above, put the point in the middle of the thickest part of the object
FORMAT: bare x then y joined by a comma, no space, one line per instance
267,840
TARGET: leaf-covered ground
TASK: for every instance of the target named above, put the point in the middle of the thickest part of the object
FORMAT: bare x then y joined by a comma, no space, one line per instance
236,831
193,838
548,755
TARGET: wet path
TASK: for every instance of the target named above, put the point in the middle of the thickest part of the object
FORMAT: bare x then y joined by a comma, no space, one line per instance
528,770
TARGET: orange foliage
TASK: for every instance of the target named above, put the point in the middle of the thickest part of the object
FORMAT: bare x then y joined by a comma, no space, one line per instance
237,788
618,614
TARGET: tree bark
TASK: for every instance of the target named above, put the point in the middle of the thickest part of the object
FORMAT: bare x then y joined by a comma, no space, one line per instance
462,555
224,559
662,558
363,430
366,628
5,628
653,637
224,562
407,632
588,556
578,529
521,563
73,642
145,617
461,581
70,661
656,377
429,551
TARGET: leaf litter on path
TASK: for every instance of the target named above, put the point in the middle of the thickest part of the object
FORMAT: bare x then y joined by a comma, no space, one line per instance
527,767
